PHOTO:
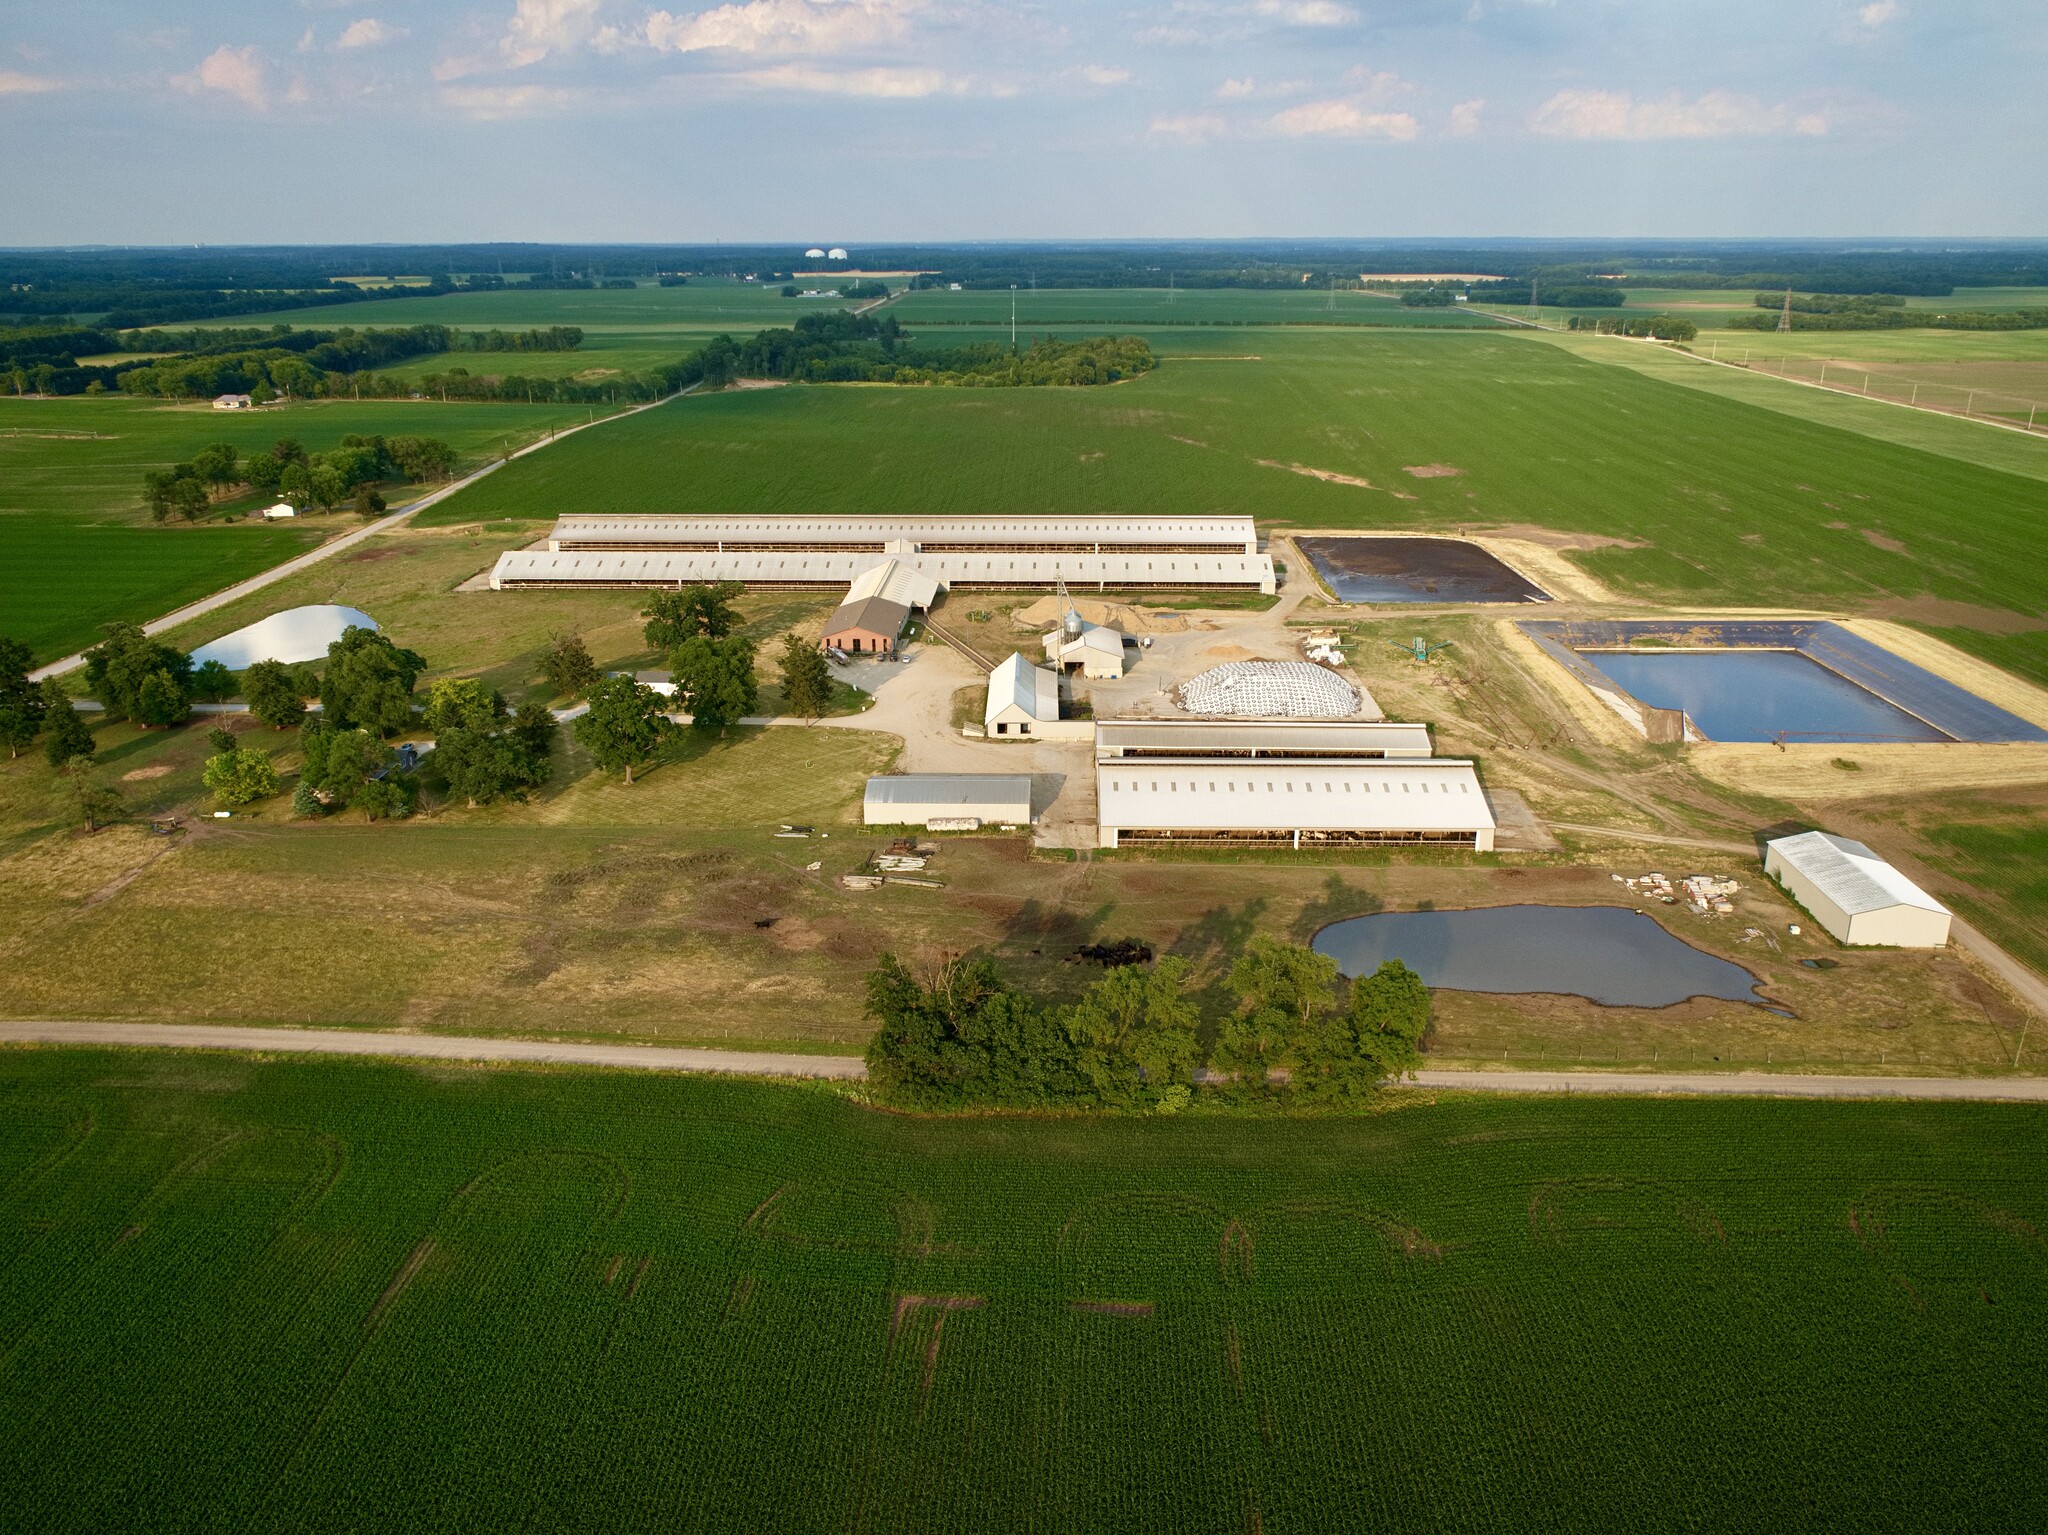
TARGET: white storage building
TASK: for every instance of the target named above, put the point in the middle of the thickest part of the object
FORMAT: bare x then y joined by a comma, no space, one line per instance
995,569
918,799
1022,699
1096,649
606,533
1292,801
1854,893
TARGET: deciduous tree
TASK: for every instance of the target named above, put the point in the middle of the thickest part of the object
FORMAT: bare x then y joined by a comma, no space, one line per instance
673,617
368,682
806,679
715,678
625,725
95,803
140,677
241,775
566,664
272,693
21,702
66,736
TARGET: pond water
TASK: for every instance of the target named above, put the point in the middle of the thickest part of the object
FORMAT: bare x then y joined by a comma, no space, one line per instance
1607,954
1415,570
1752,695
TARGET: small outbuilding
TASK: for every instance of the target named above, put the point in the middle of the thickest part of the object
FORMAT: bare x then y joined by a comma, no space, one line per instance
1854,893
233,402
282,509
1022,698
918,799
1096,650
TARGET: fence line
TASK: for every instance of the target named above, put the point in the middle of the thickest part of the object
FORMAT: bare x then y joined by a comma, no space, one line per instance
1847,376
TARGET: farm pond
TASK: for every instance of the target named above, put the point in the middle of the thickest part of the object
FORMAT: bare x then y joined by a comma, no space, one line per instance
1606,954
1415,570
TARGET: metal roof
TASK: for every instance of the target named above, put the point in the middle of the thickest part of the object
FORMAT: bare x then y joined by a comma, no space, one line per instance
812,568
895,581
1224,532
1006,789
1017,684
1205,794
1359,737
1850,874
875,615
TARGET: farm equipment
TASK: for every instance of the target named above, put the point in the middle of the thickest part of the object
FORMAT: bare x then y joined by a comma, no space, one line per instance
1420,649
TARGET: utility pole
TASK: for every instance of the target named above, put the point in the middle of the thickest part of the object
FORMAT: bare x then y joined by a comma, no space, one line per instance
1785,314
1532,301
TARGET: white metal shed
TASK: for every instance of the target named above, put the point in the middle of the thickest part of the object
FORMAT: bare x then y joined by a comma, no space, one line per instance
1021,697
1854,893
917,799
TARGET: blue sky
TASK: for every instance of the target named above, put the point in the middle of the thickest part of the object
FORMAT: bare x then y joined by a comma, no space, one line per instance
143,121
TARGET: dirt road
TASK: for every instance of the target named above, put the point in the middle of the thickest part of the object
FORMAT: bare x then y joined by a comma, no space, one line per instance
440,1047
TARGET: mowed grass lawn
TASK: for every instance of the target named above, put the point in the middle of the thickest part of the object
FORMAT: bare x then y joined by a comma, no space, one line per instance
300,1296
77,549
1712,500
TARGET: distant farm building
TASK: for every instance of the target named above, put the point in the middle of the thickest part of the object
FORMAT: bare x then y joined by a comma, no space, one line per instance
918,799
281,509
1242,783
1854,893
836,253
233,402
815,253
1022,699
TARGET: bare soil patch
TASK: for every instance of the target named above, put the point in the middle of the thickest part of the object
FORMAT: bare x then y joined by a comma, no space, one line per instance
1883,541
137,775
1943,614
1328,476
1432,471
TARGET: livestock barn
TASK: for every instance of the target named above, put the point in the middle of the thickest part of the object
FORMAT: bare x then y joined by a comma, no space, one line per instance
1248,783
1855,894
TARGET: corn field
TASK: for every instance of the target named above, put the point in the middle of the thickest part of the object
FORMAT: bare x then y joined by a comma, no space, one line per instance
249,1296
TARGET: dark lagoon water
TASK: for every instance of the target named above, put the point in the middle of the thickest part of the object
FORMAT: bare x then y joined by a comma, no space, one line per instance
1751,695
1415,570
1605,953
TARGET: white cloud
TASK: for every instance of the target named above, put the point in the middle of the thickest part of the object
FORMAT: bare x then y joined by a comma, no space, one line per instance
230,71
811,27
14,83
1465,117
1105,74
888,84
491,102
1878,14
1236,90
1189,127
1245,87
1579,114
537,28
368,33
1341,118
1305,13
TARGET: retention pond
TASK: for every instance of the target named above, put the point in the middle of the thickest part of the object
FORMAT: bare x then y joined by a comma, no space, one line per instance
1760,695
1415,570
1607,954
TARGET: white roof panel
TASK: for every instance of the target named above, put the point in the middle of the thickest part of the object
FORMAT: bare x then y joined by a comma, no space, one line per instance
1016,683
1207,794
806,567
1224,532
1270,738
949,789
1851,875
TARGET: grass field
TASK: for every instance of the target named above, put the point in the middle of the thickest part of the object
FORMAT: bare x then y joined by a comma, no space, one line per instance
75,539
1696,490
1161,306
280,1296
704,305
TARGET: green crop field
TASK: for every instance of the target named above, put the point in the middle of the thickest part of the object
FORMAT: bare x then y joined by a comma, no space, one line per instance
706,305
75,540
1720,502
1160,306
279,1296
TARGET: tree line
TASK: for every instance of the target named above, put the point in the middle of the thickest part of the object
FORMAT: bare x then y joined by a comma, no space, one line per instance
1882,311
1138,1040
348,472
839,347
1660,327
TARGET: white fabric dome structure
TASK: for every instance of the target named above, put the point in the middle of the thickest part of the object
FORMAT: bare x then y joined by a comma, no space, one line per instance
296,634
1269,690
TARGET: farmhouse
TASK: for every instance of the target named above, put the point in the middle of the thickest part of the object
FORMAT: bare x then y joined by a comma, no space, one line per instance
1244,782
1021,698
918,799
233,402
1855,894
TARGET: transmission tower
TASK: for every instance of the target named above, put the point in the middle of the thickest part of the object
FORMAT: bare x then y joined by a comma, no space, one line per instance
1532,301
1785,314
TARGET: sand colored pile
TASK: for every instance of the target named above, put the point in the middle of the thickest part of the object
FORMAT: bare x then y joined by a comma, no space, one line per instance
1045,613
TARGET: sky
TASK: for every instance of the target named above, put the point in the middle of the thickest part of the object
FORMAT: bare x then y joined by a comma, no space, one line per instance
839,121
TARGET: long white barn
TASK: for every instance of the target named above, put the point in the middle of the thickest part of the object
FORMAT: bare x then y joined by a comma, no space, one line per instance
998,570
908,535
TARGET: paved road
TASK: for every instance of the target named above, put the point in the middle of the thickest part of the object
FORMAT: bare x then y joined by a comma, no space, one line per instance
850,1068
438,1047
349,540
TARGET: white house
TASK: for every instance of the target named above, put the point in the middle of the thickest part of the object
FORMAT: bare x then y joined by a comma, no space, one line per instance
1097,650
1022,698
1855,894
282,509
233,402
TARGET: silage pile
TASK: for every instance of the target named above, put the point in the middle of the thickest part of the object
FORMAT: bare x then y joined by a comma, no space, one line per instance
1269,690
